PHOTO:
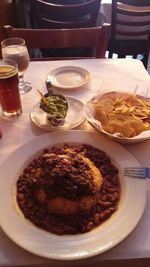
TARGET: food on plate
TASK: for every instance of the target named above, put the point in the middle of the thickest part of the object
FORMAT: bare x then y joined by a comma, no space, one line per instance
122,113
56,107
69,189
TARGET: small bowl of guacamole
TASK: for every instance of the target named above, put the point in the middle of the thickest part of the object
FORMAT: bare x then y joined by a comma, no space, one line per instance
56,107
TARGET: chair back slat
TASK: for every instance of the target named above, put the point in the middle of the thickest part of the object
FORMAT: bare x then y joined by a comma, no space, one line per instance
95,37
132,33
132,12
133,23
54,24
139,3
51,15
130,20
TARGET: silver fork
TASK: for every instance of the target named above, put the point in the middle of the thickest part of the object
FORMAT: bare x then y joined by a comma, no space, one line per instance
139,172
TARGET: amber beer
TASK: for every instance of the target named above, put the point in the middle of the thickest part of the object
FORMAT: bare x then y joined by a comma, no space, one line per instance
9,89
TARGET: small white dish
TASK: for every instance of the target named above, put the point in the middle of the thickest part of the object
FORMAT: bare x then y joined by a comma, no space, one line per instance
69,77
75,116
70,247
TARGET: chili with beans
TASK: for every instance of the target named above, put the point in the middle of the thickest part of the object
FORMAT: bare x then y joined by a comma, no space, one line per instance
38,214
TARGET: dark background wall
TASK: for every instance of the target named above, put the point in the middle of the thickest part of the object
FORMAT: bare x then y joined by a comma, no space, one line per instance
6,15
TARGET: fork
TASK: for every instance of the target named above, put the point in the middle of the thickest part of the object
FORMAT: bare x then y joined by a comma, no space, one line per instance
139,172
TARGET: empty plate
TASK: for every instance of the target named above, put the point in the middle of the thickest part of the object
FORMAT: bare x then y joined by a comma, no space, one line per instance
68,77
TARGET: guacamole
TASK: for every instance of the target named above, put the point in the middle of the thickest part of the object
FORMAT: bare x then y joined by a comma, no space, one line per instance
55,105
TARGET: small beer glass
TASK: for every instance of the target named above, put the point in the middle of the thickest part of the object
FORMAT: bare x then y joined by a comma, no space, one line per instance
16,49
9,89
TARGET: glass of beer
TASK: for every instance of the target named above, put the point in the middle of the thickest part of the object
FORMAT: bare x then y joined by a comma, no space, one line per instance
9,89
15,49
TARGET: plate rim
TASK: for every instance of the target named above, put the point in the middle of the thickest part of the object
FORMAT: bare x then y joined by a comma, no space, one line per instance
53,73
75,256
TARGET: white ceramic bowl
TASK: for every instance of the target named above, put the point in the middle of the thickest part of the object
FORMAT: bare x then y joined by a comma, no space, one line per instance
90,116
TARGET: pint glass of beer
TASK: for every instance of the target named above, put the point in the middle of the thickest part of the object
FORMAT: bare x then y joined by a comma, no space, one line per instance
9,89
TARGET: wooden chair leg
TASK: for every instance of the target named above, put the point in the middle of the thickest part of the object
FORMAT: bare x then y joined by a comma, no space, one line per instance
121,56
134,56
145,59
110,54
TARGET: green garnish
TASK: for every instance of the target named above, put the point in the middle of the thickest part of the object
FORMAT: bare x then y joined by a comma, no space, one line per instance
55,105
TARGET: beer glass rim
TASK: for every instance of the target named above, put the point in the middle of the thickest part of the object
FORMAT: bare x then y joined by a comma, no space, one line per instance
12,41
9,62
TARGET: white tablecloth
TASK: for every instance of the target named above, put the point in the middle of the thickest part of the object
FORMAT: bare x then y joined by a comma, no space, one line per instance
107,74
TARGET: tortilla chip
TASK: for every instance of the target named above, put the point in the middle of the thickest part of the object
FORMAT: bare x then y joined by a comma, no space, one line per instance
126,114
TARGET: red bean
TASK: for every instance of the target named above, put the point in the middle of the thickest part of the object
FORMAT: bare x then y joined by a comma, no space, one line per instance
96,219
112,209
89,226
116,196
108,184
115,180
110,197
104,204
103,191
108,177
112,190
98,209
105,214
104,198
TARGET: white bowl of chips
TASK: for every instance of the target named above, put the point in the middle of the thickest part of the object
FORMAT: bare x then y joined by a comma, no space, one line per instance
122,116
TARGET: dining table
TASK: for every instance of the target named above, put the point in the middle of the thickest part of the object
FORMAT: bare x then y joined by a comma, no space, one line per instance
106,74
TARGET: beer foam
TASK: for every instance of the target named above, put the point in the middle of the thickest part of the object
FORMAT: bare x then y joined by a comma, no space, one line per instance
7,71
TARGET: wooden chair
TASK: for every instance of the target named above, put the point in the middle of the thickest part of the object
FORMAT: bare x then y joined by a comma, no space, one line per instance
130,29
95,37
76,15
65,2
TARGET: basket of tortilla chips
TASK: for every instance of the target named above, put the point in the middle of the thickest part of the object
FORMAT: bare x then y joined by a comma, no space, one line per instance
123,116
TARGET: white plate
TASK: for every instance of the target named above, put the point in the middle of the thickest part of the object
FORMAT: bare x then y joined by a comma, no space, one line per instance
69,77
74,118
70,247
